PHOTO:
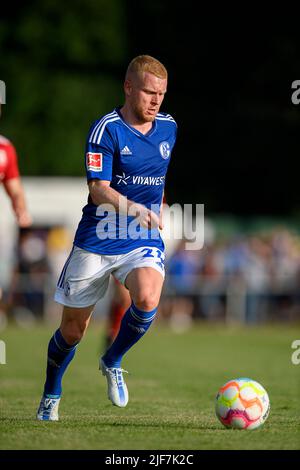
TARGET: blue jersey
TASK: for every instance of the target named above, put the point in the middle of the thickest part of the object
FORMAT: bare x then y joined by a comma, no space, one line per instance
136,165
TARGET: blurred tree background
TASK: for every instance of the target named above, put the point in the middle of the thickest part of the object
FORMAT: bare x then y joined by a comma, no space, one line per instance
63,65
229,91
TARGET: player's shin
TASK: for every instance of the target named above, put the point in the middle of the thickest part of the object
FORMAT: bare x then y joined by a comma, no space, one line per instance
60,354
134,325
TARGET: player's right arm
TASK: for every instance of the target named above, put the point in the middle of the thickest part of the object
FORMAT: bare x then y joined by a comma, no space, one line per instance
102,193
99,162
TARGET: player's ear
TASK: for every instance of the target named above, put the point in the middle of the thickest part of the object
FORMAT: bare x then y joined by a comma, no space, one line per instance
127,87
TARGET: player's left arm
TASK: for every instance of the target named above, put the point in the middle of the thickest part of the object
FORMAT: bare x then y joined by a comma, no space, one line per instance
15,191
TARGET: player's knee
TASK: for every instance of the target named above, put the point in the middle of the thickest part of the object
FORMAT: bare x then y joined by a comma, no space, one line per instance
73,332
72,337
146,300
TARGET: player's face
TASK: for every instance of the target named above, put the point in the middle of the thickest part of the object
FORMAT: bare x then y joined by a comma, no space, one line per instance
146,95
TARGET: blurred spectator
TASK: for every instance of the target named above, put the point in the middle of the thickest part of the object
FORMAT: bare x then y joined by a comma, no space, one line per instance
59,244
257,276
30,273
211,283
182,270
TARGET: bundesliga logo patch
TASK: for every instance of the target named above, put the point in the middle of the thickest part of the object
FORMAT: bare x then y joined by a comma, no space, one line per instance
94,161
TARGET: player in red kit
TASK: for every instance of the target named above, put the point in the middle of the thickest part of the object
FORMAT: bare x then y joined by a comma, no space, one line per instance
10,178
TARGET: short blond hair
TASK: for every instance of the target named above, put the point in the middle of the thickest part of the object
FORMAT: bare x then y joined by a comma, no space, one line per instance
146,63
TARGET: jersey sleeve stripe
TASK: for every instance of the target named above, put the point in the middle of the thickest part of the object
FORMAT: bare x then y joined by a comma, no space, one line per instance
97,138
165,117
102,120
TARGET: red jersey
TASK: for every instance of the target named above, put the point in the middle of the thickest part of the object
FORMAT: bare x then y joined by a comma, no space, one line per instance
8,160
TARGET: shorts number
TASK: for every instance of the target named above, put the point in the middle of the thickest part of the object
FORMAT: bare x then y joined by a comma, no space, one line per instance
158,254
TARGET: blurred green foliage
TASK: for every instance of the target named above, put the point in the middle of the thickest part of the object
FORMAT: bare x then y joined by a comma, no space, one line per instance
63,64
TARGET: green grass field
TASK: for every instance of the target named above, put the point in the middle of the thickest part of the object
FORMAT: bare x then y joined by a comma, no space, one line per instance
172,384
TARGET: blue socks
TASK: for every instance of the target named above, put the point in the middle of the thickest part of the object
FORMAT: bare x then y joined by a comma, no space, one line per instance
60,354
134,325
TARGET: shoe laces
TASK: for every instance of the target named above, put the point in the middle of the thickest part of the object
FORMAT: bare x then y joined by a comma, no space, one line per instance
50,403
116,374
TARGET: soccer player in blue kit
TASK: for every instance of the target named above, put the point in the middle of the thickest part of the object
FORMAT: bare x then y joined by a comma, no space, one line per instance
127,156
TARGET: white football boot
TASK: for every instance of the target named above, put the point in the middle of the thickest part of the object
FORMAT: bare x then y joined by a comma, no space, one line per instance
48,409
116,387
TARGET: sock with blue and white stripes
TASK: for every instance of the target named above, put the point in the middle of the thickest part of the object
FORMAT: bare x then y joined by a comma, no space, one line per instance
134,325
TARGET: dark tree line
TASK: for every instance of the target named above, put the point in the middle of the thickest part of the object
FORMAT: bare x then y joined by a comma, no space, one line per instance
229,90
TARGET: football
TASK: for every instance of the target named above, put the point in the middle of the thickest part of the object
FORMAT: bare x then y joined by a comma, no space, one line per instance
242,404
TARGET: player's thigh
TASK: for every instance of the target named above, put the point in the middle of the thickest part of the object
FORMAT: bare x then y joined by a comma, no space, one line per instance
84,279
145,286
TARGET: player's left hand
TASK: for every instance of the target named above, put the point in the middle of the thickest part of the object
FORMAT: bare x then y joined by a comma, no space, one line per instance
161,224
153,220
146,217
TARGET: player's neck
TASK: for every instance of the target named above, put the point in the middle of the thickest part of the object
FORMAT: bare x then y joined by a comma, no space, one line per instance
129,118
